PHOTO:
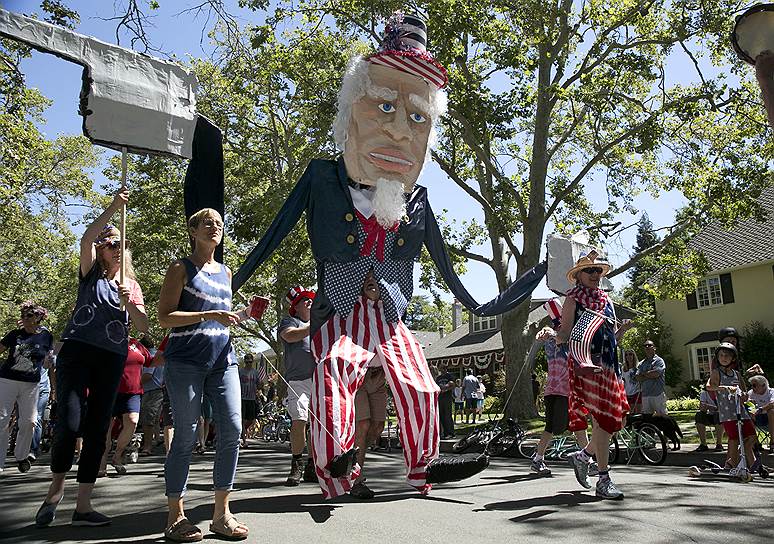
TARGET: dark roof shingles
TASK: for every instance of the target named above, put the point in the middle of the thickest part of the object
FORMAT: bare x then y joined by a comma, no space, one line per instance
748,242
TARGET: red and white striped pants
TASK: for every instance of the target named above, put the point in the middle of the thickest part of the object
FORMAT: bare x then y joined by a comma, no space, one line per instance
343,347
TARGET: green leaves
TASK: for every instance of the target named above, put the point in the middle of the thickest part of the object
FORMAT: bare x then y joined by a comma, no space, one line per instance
41,182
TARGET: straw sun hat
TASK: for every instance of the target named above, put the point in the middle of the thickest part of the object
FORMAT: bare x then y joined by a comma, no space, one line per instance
591,259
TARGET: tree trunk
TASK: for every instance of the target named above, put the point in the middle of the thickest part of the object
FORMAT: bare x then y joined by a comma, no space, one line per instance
516,345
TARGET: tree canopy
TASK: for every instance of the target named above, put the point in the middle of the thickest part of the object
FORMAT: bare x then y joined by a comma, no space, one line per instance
561,114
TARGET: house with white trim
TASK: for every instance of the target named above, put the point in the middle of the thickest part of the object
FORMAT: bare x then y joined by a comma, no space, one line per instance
738,290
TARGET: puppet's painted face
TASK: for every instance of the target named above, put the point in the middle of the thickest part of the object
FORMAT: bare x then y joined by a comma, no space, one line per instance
389,129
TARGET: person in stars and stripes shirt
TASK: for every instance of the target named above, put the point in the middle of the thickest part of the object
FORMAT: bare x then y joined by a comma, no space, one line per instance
596,390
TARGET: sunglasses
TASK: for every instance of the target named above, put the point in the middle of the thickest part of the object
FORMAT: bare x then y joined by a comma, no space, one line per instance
592,270
114,244
28,315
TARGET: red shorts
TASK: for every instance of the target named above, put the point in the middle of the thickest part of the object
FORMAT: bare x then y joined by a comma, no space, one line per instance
600,395
747,429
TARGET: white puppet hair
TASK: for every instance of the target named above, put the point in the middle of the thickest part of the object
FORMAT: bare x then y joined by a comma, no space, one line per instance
356,84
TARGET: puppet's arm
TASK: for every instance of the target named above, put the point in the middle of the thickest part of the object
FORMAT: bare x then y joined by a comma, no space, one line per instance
283,223
513,295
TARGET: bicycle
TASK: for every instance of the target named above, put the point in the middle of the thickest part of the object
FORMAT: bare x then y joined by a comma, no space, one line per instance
558,448
638,439
277,428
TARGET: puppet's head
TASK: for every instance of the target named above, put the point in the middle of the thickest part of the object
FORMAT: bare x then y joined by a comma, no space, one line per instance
388,104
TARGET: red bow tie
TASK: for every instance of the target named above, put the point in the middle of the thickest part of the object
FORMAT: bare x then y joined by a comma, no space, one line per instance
375,234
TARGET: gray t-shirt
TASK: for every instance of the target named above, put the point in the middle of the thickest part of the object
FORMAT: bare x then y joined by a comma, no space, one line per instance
299,363
470,386
652,387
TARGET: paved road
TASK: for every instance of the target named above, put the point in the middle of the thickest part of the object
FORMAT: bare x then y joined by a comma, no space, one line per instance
503,504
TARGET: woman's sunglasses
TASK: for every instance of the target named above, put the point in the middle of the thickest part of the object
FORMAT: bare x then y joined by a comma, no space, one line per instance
113,244
29,315
592,270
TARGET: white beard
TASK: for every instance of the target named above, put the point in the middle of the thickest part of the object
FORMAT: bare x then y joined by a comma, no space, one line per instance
389,203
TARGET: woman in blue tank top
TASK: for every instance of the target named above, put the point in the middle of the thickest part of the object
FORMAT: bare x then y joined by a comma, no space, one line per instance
195,303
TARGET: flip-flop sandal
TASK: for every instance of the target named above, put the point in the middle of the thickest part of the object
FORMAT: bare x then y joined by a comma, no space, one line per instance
120,469
228,527
183,531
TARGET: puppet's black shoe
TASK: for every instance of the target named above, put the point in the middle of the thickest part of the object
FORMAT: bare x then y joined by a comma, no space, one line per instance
455,468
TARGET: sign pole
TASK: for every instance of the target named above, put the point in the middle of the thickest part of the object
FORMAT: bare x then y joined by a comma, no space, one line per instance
122,227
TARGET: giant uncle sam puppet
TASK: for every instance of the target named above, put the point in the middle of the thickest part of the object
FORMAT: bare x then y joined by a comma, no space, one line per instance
365,212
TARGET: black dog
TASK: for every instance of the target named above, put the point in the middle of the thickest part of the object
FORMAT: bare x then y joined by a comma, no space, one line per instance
666,425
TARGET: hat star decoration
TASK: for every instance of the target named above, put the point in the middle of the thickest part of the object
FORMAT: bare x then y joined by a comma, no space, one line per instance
404,48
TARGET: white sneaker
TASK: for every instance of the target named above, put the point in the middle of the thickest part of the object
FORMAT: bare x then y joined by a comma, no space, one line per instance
581,468
540,467
606,489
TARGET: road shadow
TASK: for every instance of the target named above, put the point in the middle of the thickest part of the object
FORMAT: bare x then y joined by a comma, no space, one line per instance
567,499
501,480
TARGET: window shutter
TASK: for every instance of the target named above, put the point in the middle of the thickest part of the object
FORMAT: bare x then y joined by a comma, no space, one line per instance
690,299
726,288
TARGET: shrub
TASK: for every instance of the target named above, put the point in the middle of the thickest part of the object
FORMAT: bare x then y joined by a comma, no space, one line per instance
683,404
758,346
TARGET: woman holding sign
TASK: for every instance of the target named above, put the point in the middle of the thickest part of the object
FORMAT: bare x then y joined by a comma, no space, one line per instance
91,361
595,375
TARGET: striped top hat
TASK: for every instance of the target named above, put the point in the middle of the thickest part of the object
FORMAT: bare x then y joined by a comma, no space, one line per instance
295,295
404,48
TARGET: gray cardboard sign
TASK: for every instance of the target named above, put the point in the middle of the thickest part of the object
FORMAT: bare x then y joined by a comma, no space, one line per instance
128,99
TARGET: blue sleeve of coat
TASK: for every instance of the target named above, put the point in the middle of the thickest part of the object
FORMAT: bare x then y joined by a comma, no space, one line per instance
283,223
513,295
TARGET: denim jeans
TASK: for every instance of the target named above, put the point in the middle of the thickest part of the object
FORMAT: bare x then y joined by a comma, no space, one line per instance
186,384
37,433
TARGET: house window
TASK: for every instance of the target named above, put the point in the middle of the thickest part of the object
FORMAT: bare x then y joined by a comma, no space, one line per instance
702,359
708,292
481,324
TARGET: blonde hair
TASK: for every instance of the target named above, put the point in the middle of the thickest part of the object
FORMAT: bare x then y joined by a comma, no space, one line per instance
130,273
196,219
627,352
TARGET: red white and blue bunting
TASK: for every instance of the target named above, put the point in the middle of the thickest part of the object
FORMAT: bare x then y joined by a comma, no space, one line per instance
480,361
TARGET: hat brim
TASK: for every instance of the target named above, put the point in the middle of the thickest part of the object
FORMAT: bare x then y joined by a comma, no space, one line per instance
417,63
572,273
298,298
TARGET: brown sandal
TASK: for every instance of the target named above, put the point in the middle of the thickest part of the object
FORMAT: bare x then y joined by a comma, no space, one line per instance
183,531
228,527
